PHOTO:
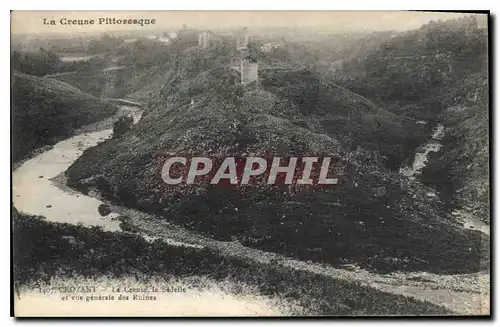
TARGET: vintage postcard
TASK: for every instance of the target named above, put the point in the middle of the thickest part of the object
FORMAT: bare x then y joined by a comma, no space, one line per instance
250,163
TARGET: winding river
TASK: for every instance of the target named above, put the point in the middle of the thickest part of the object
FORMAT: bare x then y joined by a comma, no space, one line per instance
37,191
468,220
34,189
420,160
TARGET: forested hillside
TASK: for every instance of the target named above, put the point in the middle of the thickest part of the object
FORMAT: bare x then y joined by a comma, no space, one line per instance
45,110
420,73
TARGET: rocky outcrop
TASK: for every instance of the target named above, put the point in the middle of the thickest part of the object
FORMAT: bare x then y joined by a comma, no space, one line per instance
46,110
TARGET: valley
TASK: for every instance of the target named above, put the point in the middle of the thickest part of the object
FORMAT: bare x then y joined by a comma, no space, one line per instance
405,231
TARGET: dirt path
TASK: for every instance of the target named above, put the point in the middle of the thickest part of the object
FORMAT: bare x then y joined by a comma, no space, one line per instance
462,293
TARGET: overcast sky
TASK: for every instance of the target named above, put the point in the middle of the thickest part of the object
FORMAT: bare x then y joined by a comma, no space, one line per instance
32,21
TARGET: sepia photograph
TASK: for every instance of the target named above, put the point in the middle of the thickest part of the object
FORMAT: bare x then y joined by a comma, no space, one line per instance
250,163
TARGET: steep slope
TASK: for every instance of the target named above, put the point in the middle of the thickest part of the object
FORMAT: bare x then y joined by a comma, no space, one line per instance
347,116
45,110
371,217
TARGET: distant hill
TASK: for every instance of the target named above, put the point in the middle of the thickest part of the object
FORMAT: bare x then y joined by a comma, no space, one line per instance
45,110
43,62
421,72
438,72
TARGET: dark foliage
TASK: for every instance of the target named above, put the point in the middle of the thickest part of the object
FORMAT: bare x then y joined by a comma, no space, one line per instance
122,125
292,111
45,110
42,250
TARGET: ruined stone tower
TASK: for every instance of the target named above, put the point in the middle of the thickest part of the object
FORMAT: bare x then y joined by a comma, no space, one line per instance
249,71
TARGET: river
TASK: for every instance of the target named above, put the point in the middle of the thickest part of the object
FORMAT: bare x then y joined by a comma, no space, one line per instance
468,220
34,189
422,153
37,191
78,57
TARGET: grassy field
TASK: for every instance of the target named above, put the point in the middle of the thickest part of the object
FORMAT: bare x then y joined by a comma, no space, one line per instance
45,252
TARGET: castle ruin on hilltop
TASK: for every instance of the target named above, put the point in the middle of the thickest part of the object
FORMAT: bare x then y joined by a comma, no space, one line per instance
249,71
